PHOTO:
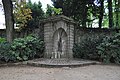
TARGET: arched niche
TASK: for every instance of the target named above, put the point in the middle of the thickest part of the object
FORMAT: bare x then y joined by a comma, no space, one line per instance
60,41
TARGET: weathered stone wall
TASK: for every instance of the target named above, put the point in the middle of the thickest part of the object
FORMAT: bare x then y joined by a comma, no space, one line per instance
2,33
83,33
36,31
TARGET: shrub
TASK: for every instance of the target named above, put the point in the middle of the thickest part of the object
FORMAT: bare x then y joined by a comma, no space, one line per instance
2,40
109,49
87,48
5,54
22,49
26,48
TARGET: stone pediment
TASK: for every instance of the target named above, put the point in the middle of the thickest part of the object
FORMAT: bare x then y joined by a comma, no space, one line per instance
58,18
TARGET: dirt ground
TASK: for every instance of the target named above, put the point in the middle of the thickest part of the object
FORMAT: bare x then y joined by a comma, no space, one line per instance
92,72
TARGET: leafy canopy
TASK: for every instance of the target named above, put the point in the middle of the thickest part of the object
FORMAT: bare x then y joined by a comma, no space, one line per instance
22,14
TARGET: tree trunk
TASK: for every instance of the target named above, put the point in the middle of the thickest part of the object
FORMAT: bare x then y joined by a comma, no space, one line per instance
8,10
110,13
119,13
101,13
84,15
116,12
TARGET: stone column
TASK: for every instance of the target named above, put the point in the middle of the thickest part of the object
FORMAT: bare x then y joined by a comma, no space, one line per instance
48,40
70,40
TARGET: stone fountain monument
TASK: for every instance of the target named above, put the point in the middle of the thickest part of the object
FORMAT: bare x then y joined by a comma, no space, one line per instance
58,37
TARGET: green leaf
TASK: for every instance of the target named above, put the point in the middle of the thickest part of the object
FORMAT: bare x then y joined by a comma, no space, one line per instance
25,58
19,58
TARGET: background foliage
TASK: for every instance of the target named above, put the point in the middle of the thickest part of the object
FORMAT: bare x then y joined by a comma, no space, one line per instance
2,40
52,11
37,14
104,48
22,15
86,49
109,49
22,49
91,13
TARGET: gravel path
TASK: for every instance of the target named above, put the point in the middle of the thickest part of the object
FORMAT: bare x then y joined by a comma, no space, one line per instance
92,72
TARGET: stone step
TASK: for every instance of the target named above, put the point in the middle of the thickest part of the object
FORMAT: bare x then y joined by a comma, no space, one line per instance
60,62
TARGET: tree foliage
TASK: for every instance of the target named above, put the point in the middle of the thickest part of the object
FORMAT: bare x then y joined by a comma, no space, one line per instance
52,11
37,13
77,9
22,14
116,13
86,12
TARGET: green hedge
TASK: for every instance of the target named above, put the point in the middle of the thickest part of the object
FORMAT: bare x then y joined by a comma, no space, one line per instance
109,49
105,49
22,49
5,54
86,49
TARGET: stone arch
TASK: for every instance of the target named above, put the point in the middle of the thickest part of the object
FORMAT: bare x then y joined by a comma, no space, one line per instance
60,41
